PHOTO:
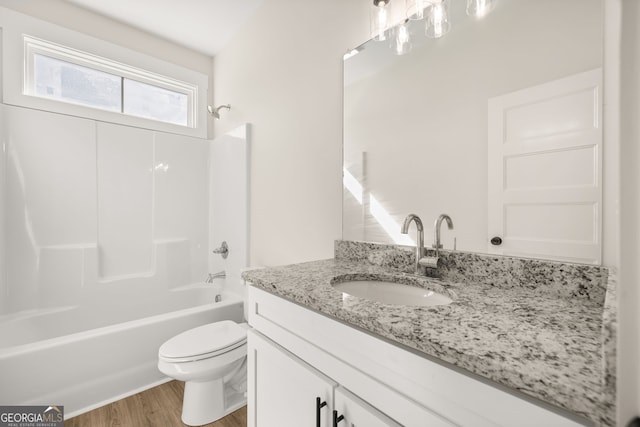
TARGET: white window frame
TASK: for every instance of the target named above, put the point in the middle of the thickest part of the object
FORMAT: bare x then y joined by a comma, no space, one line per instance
34,46
88,51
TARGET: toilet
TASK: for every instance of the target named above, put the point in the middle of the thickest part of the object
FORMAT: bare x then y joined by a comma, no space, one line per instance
211,359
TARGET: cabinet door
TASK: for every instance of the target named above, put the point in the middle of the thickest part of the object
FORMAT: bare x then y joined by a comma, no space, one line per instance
282,389
358,413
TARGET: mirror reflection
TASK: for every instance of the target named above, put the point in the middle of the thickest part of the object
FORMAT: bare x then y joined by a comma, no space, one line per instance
497,124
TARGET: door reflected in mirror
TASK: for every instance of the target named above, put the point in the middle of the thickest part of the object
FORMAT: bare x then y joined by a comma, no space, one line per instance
497,124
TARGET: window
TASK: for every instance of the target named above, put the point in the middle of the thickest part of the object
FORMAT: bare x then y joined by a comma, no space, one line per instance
153,102
67,75
73,83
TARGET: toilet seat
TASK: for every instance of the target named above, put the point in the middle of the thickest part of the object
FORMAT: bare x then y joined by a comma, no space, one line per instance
204,342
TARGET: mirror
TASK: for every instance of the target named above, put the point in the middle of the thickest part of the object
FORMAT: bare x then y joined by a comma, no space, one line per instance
419,129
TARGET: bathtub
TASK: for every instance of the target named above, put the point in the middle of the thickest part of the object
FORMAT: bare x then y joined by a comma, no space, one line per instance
46,358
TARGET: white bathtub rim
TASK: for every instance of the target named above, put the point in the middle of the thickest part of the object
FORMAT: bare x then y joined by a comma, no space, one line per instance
228,285
228,298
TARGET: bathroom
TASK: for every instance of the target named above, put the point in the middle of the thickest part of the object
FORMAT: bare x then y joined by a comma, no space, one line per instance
282,73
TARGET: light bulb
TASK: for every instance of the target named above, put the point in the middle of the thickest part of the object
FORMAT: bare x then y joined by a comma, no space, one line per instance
382,22
415,9
402,39
438,20
379,20
480,8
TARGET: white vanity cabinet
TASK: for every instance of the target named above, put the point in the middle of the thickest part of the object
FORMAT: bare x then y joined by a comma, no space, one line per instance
285,391
296,355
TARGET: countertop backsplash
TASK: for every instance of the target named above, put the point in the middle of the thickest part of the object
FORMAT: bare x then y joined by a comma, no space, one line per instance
551,277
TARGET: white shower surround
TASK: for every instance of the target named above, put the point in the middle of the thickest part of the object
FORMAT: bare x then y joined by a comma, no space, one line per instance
105,247
99,215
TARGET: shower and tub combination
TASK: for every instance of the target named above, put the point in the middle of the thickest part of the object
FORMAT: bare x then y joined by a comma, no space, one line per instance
85,369
107,235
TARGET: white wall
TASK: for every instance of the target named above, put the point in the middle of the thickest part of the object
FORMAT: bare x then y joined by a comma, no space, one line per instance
629,294
283,74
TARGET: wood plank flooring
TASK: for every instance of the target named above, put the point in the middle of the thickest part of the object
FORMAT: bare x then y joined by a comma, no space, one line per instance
157,407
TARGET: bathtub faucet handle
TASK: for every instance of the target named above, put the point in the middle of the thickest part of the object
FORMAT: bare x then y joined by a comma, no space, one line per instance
222,250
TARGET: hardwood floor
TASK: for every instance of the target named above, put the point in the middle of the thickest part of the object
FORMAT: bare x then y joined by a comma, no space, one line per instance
157,407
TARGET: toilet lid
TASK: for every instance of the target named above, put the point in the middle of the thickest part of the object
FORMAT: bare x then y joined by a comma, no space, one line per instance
212,338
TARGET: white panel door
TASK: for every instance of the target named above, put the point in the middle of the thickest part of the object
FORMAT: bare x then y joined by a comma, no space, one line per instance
282,390
545,170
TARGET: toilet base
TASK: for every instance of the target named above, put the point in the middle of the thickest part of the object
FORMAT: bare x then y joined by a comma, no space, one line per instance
208,401
203,402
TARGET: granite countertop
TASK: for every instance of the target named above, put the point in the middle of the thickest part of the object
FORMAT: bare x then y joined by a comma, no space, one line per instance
548,347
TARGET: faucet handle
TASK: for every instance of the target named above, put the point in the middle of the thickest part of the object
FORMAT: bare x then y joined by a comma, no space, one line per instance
222,250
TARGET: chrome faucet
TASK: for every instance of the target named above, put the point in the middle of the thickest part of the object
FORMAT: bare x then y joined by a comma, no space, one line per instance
436,231
422,260
420,250
218,275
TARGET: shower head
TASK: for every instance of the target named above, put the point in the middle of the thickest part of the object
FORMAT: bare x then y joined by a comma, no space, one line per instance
215,112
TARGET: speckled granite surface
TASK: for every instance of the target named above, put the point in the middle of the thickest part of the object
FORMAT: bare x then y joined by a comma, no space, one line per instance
562,279
521,336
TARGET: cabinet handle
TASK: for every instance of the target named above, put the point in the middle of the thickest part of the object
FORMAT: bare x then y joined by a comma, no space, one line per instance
319,405
336,418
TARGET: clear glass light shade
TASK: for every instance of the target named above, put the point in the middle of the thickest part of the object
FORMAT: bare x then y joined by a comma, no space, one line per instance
437,17
415,9
402,39
379,20
480,8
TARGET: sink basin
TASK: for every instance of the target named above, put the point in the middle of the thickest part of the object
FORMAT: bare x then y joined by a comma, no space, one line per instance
392,293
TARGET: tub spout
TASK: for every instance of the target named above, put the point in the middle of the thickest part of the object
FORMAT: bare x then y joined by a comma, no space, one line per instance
219,275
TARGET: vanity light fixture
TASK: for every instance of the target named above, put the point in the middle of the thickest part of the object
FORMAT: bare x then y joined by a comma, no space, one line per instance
379,19
435,12
480,8
437,16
